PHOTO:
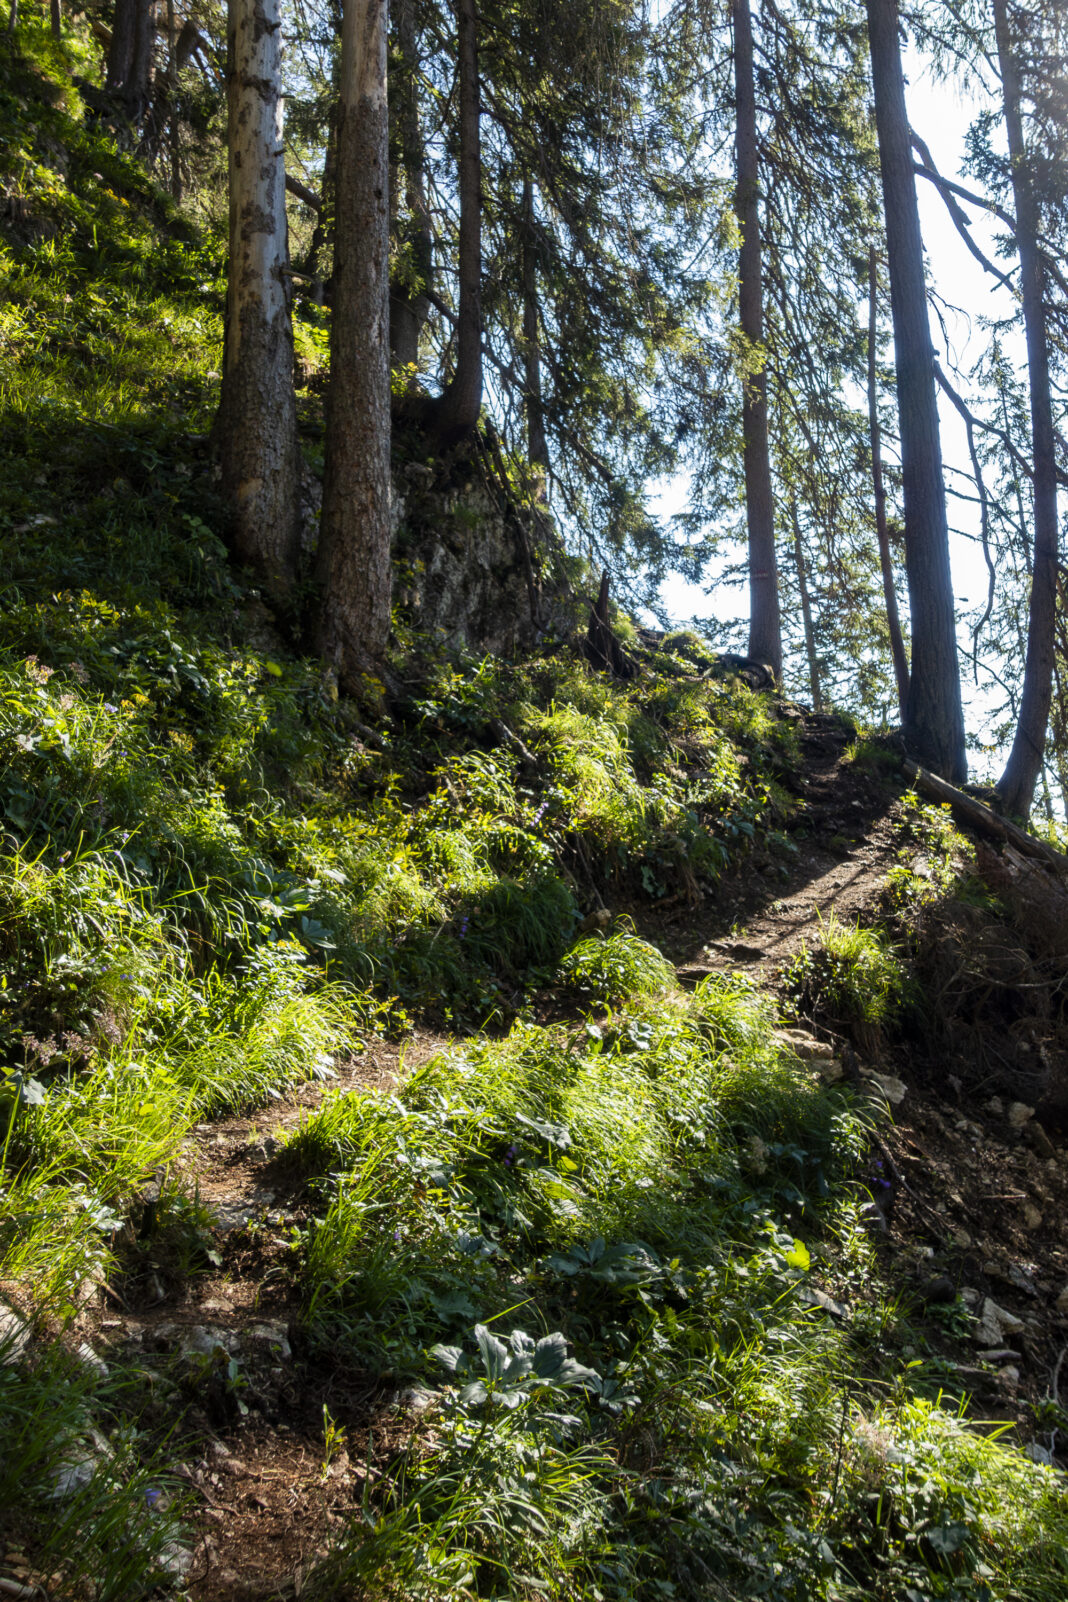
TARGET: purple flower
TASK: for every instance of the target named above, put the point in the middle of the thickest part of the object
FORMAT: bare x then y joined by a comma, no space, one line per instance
151,1496
109,706
463,927
542,810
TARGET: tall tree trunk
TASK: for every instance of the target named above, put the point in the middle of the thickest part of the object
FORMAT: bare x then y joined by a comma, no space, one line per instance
409,305
806,614
172,103
257,422
537,448
13,16
893,619
133,43
934,721
765,630
55,12
354,554
457,409
1017,784
139,88
120,51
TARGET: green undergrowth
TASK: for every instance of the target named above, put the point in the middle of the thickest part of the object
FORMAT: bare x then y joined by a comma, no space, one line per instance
216,881
594,1246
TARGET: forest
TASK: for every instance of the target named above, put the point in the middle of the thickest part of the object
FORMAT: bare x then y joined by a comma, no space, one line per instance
533,801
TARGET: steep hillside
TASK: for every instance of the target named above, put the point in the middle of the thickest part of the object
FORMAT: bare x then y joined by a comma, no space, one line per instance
569,1138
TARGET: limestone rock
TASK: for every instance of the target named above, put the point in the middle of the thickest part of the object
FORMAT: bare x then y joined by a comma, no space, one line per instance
1020,1114
895,1090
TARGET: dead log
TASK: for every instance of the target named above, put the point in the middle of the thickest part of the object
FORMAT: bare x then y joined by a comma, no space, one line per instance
602,649
977,815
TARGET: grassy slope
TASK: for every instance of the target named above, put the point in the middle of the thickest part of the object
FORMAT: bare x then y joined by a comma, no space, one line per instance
210,886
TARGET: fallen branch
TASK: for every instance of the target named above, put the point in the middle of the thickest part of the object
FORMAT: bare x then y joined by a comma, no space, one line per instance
984,819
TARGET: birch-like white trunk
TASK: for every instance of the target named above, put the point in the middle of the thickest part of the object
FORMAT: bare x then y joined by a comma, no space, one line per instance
354,541
257,427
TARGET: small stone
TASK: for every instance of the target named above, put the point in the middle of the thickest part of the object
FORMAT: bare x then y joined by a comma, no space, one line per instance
1032,1218
233,1466
969,1295
1040,1142
89,1360
1020,1114
994,1314
830,1069
895,1090
276,1336
804,1045
961,1238
814,1297
415,1399
1009,1375
1038,1453
14,1335
995,1106
600,918
938,1289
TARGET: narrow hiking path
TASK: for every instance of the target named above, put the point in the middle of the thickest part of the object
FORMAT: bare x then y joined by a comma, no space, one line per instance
980,1205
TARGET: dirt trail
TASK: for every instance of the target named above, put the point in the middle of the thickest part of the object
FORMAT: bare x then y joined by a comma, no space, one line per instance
769,905
974,1205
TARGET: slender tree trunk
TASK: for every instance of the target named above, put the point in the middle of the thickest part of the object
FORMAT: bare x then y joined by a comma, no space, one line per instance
55,12
138,91
354,554
1017,784
934,721
172,103
409,305
257,422
765,630
893,619
806,614
120,51
537,448
13,16
458,408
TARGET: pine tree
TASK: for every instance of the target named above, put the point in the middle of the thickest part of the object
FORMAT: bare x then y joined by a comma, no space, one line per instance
354,539
256,428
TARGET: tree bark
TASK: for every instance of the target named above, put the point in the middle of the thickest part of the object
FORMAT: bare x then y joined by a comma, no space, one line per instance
133,43
55,12
934,721
120,52
257,423
537,448
409,305
806,615
13,16
172,103
1017,784
765,629
893,619
138,92
354,553
457,410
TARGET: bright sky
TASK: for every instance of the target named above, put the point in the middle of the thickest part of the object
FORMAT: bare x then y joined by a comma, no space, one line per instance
941,114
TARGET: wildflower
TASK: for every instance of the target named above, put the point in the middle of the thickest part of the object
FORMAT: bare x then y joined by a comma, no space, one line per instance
79,672
109,706
463,927
542,810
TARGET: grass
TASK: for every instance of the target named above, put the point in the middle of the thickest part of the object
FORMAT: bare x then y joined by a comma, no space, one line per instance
212,887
